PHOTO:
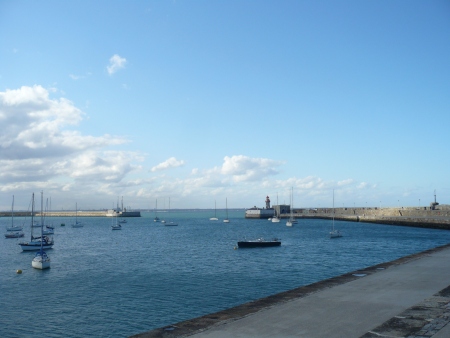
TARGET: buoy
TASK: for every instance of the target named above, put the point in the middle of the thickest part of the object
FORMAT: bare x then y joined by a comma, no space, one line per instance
19,271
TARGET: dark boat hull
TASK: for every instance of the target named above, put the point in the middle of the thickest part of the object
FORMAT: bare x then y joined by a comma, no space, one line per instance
258,244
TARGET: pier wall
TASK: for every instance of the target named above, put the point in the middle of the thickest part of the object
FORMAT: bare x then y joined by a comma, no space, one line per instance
56,214
408,216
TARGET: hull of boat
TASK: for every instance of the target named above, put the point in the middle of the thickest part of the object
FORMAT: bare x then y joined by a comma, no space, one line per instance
14,229
40,264
335,234
34,246
14,234
116,227
258,244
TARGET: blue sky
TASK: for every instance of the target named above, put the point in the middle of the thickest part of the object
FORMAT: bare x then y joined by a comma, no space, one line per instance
201,101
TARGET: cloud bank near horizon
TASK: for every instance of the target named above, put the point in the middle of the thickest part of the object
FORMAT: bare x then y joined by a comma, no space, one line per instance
41,148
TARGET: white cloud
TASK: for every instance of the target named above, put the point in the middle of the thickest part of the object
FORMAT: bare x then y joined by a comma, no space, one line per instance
115,63
37,149
244,168
167,164
345,182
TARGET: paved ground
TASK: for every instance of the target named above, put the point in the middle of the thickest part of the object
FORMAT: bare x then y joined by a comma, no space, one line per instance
409,297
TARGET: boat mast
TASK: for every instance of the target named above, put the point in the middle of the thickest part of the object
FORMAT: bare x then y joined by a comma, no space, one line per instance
333,209
42,218
32,214
12,213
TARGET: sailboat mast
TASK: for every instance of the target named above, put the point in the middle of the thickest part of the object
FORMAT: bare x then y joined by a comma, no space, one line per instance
42,217
333,209
12,213
32,214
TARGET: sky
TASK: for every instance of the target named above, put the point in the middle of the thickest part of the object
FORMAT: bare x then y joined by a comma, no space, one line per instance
205,102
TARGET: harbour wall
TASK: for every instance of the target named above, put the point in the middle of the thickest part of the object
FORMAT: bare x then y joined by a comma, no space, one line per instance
70,214
424,217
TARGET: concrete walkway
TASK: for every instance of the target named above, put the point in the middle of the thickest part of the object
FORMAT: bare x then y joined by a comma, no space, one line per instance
409,297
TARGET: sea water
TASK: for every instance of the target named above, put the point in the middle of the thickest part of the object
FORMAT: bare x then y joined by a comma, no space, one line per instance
105,283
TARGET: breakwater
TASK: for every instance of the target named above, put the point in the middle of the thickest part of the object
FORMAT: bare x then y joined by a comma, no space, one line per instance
438,218
55,214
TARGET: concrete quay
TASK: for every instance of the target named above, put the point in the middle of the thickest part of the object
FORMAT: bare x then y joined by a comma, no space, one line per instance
408,297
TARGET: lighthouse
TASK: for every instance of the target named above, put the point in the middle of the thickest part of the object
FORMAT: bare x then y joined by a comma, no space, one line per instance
267,202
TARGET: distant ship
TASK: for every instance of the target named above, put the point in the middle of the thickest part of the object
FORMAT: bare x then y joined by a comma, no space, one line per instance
122,212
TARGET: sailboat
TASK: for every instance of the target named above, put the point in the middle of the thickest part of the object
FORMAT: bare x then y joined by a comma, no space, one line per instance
77,224
49,229
41,260
163,220
170,223
226,220
13,227
13,231
334,233
36,243
156,219
276,218
291,221
115,226
215,217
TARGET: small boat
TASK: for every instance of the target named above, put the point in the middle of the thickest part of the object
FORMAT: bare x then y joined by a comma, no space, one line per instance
77,224
123,221
334,233
14,234
156,219
41,260
226,220
276,218
291,221
13,227
215,217
116,226
259,243
36,243
169,223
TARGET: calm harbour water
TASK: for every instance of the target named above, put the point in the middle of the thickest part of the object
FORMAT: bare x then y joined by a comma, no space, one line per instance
105,283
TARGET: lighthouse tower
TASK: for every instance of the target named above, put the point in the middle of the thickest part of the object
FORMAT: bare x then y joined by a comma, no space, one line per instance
267,202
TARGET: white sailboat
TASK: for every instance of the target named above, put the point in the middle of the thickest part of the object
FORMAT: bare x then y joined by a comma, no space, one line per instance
226,220
170,223
291,221
334,233
115,225
276,218
77,224
41,260
36,243
13,227
163,220
215,217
